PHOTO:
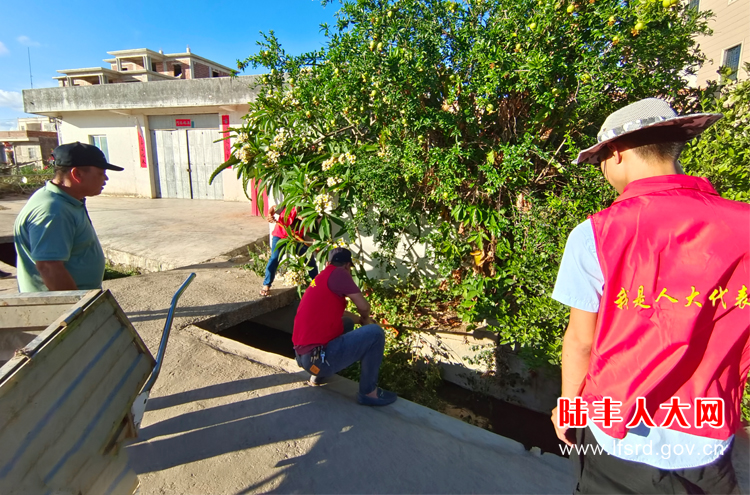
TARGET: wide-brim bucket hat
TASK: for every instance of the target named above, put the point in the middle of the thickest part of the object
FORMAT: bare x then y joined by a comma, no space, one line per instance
642,116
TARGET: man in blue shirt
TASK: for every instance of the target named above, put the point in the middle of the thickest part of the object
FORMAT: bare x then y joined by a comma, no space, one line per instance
56,245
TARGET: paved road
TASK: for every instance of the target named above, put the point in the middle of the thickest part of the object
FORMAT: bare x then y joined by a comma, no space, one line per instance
160,233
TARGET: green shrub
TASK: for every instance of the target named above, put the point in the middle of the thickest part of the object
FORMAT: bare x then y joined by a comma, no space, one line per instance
454,124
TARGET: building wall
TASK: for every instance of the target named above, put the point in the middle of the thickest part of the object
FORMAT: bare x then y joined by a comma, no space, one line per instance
122,141
47,145
27,154
36,124
201,70
731,26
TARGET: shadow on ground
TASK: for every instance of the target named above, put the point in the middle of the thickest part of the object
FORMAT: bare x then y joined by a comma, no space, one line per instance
349,448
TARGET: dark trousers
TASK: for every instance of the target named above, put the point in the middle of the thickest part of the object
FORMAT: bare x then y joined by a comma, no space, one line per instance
604,473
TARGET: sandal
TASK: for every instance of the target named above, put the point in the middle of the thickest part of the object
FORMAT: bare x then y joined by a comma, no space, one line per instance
265,291
384,398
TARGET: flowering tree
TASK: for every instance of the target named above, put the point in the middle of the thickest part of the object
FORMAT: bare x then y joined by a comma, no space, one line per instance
454,124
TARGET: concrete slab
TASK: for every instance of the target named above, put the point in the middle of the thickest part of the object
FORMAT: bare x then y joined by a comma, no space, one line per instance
222,295
226,418
223,424
161,234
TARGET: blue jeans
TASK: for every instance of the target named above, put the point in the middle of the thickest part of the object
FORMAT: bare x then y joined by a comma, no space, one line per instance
273,262
365,344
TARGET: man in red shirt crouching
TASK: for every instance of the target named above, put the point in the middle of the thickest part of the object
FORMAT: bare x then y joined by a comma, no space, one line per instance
322,345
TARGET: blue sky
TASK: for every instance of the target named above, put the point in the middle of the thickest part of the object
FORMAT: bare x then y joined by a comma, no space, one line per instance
79,33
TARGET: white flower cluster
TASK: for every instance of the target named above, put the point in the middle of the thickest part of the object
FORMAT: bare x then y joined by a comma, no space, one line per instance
341,243
242,137
274,150
279,139
273,156
323,203
309,180
294,277
346,157
328,164
332,181
382,154
244,154
289,99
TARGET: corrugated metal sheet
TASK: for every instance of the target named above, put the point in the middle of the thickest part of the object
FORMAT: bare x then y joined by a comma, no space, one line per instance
65,402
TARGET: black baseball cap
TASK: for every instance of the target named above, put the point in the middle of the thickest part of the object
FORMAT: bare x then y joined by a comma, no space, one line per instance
82,155
340,255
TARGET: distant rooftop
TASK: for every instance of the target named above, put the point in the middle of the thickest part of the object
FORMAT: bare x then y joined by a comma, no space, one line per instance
142,65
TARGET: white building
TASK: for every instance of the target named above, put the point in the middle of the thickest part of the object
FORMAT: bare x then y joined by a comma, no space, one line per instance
164,133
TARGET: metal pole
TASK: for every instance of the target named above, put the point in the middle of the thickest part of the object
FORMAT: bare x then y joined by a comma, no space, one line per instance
31,80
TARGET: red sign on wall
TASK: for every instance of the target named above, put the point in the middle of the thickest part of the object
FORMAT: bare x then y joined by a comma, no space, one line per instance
183,123
225,130
141,146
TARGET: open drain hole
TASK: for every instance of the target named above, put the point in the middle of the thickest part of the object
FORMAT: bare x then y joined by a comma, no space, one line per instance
530,428
8,253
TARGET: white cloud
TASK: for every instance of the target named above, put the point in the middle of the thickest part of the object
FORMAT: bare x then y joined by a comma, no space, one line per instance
3,49
8,124
11,99
26,41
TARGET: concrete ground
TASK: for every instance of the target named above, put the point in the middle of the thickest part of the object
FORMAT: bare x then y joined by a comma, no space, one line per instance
225,418
161,234
228,419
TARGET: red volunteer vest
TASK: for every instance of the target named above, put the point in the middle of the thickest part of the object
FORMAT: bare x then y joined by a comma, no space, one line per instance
319,314
674,318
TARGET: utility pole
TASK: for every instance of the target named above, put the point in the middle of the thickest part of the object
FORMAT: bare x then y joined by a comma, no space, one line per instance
31,80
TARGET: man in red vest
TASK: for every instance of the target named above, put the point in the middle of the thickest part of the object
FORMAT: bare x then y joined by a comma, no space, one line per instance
322,344
656,353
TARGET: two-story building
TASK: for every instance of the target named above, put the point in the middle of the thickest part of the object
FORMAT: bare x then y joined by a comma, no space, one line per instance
142,65
165,125
31,144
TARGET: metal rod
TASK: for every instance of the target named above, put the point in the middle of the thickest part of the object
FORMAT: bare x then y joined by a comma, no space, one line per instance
31,79
165,334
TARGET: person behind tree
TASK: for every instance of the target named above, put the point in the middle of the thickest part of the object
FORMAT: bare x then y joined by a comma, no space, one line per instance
657,286
286,221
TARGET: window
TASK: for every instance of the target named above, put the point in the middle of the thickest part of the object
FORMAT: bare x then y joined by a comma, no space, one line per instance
214,73
732,60
32,152
101,143
694,4
153,66
177,70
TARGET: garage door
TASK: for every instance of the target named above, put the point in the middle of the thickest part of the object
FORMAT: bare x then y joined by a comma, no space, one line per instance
185,159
